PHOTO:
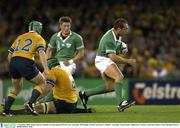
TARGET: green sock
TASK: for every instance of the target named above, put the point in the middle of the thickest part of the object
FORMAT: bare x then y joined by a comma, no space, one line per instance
48,97
118,90
94,91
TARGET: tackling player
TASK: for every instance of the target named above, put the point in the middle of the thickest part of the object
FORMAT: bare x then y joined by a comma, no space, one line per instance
65,96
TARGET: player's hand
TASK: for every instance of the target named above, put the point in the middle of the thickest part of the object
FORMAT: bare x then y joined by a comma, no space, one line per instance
132,62
66,62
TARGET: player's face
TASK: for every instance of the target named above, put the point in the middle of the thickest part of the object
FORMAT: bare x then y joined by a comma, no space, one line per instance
124,30
65,28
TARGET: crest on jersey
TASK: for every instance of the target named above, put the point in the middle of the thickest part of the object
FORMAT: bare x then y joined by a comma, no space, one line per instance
68,45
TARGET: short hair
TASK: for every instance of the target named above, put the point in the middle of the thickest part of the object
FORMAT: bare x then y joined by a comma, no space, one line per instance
119,23
65,19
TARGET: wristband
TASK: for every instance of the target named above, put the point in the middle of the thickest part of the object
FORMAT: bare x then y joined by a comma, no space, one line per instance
71,61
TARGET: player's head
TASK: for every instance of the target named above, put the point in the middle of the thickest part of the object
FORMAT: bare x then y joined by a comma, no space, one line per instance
52,62
65,25
35,26
121,26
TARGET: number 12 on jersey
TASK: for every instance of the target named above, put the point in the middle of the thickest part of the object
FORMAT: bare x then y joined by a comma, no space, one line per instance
24,44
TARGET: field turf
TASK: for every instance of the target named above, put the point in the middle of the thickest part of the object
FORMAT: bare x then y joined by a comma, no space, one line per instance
106,114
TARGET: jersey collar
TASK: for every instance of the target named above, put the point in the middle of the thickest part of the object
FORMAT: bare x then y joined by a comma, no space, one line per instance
116,40
59,35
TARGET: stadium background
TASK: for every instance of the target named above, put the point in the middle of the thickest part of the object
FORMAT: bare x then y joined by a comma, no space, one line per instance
154,40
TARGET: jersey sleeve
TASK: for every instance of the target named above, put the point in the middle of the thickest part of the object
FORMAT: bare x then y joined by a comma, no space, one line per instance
41,44
110,47
52,43
13,46
79,42
51,78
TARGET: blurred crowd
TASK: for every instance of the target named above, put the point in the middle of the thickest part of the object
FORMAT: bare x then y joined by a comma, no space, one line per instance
154,38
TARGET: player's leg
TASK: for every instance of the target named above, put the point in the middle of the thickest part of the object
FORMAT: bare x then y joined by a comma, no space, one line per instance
39,81
101,64
45,108
32,74
41,108
101,89
48,97
17,83
17,87
113,72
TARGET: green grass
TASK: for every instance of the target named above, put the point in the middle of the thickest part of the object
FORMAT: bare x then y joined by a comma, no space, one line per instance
107,114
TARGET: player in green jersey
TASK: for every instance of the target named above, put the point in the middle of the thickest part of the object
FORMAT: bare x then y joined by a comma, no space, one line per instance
105,61
67,45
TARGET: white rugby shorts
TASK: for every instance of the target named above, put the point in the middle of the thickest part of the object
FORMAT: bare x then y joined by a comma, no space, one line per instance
102,63
71,68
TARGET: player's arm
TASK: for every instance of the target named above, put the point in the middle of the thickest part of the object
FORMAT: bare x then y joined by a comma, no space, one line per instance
11,50
43,59
51,47
121,60
111,52
50,83
9,57
79,56
42,55
80,50
49,52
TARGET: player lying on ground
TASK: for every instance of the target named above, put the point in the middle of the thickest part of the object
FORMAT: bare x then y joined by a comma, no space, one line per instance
64,93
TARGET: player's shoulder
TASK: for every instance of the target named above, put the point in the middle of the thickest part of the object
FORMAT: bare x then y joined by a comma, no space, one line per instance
38,37
76,34
23,35
55,35
108,36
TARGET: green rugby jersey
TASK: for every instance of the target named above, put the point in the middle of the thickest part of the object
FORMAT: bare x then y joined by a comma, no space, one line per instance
66,48
109,44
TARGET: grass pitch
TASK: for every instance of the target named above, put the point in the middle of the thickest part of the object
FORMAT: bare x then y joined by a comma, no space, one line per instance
106,114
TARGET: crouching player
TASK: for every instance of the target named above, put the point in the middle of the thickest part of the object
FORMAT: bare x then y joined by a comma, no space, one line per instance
64,93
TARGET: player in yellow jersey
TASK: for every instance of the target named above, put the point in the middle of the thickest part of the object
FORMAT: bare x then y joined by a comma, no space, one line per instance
65,96
21,59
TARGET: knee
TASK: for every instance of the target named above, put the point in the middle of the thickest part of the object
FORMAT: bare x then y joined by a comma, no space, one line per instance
119,78
41,81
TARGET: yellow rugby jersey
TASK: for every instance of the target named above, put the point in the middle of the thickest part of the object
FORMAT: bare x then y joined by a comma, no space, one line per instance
26,45
64,85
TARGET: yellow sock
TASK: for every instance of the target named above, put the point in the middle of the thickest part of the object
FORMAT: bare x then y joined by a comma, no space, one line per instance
39,89
13,95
